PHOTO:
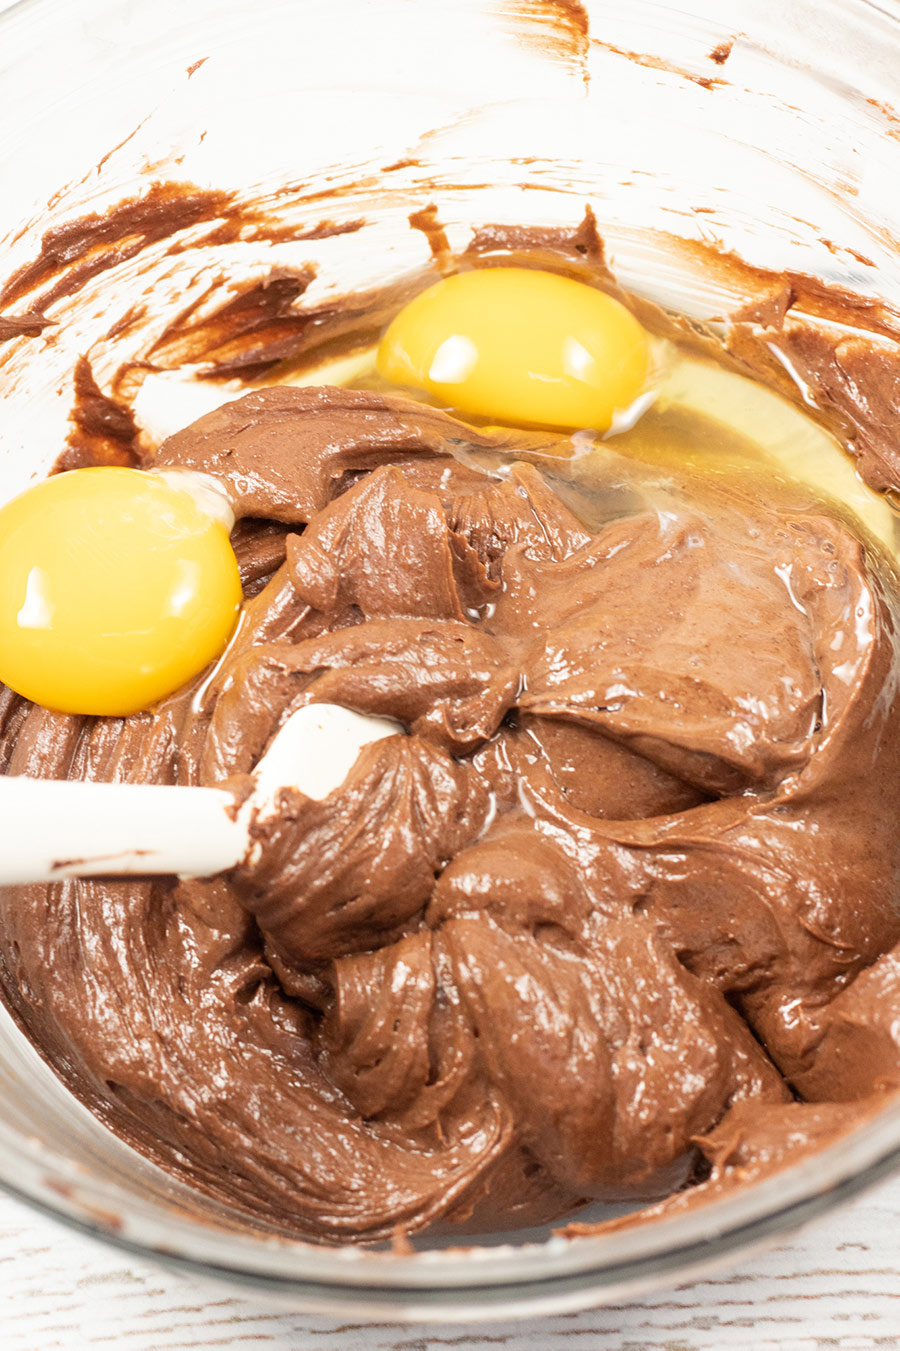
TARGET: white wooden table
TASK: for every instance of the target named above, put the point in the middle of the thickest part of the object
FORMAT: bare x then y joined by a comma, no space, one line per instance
835,1286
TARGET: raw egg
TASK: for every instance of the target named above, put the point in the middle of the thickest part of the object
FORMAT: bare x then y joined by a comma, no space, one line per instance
520,346
116,587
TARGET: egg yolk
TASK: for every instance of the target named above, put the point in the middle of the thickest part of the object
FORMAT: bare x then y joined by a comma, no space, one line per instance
519,346
116,587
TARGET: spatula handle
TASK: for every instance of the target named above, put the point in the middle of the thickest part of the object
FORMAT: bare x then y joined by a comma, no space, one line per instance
64,828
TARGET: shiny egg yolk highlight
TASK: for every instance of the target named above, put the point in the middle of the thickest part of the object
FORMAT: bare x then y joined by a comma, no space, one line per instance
116,587
520,346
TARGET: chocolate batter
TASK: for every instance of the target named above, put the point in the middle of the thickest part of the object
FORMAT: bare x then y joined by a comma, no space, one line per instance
623,890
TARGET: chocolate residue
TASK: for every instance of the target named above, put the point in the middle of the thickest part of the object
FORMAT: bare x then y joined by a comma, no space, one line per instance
428,221
72,253
813,298
247,336
834,352
103,430
542,247
890,116
22,325
793,334
399,164
250,227
224,345
560,27
721,52
124,141
840,249
851,384
651,62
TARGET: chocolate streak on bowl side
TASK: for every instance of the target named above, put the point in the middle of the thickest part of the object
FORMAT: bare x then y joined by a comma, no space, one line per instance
844,349
74,252
20,325
625,887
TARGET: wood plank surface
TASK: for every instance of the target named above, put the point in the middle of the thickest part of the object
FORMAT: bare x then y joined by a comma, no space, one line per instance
836,1286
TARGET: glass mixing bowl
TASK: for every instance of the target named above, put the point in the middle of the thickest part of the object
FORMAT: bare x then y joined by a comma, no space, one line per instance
763,128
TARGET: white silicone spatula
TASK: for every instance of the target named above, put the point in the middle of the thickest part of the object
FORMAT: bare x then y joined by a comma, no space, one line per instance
64,828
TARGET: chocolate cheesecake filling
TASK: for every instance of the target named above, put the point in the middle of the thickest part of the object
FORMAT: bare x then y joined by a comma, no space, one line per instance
621,893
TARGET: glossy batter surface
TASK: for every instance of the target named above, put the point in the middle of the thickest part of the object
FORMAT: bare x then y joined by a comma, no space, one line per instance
627,883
